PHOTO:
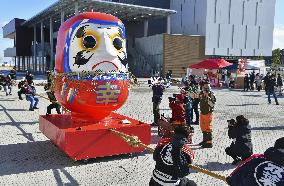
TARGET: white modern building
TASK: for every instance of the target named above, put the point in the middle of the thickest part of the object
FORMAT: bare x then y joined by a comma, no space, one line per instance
162,35
230,27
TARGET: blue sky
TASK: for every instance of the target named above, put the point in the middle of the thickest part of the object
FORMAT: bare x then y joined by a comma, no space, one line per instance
25,9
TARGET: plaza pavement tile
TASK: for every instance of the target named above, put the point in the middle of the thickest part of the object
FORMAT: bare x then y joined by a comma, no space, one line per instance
27,157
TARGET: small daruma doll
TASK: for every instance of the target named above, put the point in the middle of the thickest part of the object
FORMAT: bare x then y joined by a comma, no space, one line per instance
91,77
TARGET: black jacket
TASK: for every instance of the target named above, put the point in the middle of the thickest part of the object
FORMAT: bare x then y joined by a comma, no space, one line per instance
242,138
271,83
279,81
246,80
242,133
158,91
260,170
172,159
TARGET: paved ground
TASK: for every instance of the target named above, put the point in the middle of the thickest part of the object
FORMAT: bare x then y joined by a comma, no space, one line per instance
27,157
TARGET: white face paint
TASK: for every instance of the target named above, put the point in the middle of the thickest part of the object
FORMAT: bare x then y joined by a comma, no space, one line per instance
95,47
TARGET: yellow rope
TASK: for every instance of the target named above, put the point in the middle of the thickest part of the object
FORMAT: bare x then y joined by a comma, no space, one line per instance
134,141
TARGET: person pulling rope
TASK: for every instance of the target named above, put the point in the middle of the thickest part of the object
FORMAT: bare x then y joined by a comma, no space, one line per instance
134,141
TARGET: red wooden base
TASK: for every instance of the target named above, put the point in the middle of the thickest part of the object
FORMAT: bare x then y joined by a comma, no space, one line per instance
94,140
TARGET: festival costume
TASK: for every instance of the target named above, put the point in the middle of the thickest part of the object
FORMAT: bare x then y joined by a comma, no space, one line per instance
158,90
206,117
260,170
172,159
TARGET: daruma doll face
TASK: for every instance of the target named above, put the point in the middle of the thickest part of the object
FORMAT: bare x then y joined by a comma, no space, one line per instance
94,44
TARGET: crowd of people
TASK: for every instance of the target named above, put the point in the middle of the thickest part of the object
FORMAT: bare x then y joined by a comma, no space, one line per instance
173,153
192,105
269,83
27,88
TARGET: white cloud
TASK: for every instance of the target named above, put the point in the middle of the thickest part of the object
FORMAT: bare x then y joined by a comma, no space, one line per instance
278,37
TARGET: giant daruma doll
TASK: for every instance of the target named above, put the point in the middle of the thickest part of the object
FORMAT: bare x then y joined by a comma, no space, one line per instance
90,67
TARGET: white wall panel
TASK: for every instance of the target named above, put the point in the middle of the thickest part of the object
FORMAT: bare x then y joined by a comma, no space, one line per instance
236,12
252,37
266,40
208,24
222,14
211,36
266,13
210,11
249,12
225,36
234,52
193,13
239,37
221,51
247,52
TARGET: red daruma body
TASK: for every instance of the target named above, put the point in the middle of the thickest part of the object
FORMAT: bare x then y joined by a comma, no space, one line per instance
91,79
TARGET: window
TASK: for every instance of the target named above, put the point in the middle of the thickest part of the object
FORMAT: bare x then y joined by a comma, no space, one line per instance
246,36
258,40
256,12
215,12
194,12
243,13
233,34
219,34
230,7
181,15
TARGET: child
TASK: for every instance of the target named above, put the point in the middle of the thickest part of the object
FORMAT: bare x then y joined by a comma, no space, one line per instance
207,102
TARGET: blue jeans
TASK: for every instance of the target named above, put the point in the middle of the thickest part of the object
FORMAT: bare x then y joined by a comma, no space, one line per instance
269,92
33,100
188,114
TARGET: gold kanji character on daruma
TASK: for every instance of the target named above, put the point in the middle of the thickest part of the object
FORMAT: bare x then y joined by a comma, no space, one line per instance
207,103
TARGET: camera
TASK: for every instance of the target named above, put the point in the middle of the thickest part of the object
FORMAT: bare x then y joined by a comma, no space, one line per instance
231,123
172,99
206,90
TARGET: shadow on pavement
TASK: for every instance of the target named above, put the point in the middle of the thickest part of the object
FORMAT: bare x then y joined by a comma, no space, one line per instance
18,123
44,155
269,128
253,95
12,109
27,135
7,100
217,166
31,157
248,104
58,178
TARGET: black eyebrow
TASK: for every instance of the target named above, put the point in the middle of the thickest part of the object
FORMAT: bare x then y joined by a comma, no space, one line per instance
108,28
81,31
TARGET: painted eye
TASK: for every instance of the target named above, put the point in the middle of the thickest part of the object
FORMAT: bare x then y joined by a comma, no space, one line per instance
89,42
117,43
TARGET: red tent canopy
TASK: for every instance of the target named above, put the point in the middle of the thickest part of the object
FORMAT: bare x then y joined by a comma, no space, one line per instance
211,64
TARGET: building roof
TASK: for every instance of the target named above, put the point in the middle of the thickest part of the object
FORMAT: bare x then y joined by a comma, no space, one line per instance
125,12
